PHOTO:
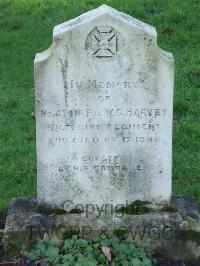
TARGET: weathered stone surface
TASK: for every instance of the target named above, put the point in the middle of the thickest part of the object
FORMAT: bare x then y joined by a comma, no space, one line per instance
104,93
173,235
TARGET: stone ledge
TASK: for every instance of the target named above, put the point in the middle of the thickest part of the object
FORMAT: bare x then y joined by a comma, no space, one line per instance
171,234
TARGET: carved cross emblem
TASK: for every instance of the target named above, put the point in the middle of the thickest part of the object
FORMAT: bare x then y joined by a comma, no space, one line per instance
103,42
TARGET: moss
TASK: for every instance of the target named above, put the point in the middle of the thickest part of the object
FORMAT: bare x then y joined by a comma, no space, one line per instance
135,208
74,211
69,233
48,210
169,208
189,235
121,233
58,211
18,243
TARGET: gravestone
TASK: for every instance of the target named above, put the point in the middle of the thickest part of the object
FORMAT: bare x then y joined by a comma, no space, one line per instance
104,97
104,100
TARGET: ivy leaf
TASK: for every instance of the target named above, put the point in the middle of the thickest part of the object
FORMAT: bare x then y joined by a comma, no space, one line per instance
125,263
58,259
87,261
68,258
67,244
102,259
82,243
51,253
136,262
105,241
74,239
38,252
64,264
41,247
147,262
122,248
33,255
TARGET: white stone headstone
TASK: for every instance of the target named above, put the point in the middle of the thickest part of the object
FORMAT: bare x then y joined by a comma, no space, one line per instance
104,101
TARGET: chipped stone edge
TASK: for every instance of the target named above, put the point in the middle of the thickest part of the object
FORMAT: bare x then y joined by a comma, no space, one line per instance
40,57
166,55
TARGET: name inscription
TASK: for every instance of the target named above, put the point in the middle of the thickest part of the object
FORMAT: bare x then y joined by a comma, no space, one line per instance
108,112
106,124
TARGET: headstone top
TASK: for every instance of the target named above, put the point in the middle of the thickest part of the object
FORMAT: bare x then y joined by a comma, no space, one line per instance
93,14
103,10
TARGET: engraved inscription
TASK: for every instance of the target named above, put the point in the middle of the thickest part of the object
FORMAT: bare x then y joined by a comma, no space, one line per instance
108,124
103,42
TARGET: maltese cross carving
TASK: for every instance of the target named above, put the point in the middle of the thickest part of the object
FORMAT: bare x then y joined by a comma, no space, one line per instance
103,42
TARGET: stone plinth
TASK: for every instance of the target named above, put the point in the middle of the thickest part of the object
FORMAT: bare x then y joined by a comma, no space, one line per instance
173,232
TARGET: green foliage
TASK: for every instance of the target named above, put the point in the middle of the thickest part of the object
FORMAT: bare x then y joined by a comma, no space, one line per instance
81,252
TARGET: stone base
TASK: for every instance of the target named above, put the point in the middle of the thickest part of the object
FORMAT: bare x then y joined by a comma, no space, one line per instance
174,234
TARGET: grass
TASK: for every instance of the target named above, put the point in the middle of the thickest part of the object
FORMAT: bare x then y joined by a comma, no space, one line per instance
26,28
